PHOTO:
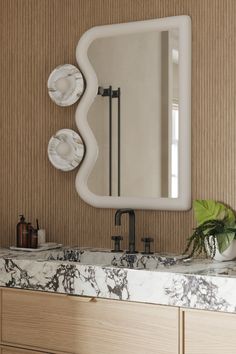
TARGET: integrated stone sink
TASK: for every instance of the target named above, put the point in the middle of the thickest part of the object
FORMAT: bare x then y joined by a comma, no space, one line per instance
106,258
223,271
154,278
88,256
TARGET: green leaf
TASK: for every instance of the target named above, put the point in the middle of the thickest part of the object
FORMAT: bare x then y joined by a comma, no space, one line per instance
211,210
224,240
230,220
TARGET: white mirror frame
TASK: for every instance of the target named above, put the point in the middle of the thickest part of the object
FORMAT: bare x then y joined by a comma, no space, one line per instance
183,202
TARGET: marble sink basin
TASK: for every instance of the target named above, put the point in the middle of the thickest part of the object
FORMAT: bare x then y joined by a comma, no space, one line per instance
107,258
158,279
229,271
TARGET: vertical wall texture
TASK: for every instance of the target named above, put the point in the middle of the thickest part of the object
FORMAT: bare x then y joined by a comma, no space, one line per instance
38,35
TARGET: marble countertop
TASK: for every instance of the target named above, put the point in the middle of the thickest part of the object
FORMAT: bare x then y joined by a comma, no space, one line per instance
158,279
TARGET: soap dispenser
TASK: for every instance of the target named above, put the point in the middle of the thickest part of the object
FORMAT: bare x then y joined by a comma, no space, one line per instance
22,233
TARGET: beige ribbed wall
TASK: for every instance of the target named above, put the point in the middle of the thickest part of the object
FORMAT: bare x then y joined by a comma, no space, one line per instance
36,36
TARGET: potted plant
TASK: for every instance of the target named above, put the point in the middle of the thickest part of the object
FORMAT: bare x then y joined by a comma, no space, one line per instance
215,233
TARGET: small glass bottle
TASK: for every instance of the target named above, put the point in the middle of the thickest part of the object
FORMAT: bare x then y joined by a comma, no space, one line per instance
22,233
30,228
34,238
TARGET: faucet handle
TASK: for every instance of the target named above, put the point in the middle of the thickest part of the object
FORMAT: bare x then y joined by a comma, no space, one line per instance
117,240
147,245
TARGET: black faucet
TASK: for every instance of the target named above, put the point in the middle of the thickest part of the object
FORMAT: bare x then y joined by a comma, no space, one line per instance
131,213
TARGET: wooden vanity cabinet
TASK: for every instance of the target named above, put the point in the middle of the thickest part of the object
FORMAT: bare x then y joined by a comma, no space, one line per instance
208,332
38,322
72,324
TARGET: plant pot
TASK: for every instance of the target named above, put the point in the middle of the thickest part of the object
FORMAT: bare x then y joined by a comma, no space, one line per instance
228,255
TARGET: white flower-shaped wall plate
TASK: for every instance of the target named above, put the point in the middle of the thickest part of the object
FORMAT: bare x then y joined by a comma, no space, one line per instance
65,150
65,85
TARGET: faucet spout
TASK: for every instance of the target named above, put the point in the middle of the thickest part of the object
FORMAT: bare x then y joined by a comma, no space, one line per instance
131,213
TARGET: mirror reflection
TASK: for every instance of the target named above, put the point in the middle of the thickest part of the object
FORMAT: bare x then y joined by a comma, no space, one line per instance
135,116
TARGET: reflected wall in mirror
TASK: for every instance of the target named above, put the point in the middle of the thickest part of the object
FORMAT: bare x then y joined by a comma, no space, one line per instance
138,148
135,114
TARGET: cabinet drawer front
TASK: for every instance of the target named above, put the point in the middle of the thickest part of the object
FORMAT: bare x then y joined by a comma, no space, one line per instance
208,332
77,325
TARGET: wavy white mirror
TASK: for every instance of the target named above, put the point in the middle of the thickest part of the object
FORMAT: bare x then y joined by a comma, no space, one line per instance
135,115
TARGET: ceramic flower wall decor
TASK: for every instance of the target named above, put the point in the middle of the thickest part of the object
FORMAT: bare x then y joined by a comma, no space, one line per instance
65,87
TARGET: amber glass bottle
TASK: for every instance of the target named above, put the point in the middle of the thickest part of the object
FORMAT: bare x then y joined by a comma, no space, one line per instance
22,233
30,230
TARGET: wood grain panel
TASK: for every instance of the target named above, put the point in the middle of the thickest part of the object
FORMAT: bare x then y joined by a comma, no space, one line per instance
38,35
18,351
85,326
209,333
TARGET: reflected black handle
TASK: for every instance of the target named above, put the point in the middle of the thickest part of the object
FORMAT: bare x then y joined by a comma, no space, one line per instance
147,245
117,240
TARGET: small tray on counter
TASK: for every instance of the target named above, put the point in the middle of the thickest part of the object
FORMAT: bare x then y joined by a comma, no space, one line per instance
44,247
